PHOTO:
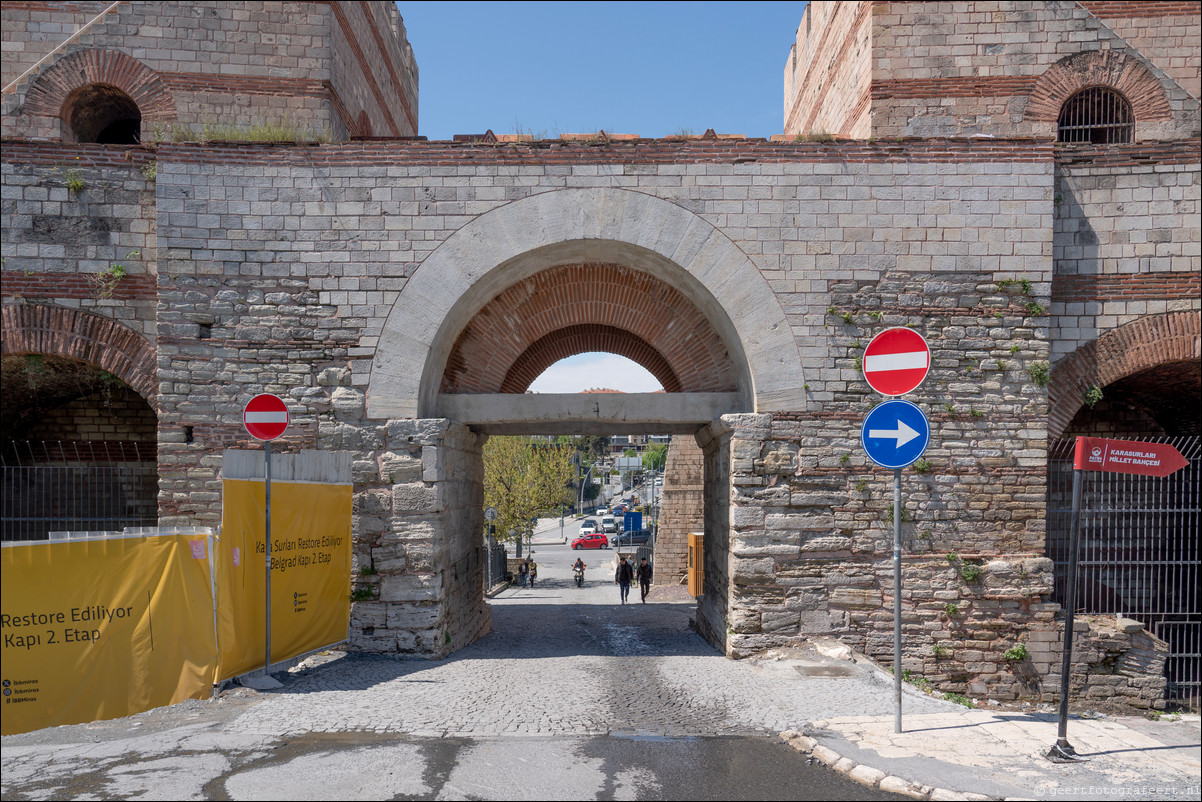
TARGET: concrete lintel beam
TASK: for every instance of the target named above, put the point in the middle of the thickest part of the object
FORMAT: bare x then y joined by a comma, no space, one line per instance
592,413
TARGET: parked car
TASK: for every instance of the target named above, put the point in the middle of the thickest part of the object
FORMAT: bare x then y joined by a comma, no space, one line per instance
639,537
609,524
594,540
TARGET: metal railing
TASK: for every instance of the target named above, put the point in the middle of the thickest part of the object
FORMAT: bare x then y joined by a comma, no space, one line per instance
494,565
1138,553
50,486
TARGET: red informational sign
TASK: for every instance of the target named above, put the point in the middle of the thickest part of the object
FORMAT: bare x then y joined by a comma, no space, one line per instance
265,416
896,361
1127,456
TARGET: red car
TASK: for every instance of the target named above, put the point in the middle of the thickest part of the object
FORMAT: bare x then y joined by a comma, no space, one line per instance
593,541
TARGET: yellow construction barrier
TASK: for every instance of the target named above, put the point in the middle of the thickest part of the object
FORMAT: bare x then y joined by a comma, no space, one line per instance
310,577
103,628
696,564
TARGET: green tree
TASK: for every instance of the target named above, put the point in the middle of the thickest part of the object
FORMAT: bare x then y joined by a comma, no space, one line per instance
655,456
523,479
630,452
592,446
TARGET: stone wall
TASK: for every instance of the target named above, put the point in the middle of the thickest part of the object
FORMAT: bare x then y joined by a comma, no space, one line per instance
1004,69
372,70
71,213
829,71
1117,664
1127,240
417,534
682,509
1166,32
280,265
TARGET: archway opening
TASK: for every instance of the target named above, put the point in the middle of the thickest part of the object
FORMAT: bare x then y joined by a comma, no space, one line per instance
596,370
1159,401
1140,541
78,448
102,113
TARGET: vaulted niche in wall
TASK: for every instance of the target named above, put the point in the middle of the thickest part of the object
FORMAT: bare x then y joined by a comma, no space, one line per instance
102,113
78,449
1159,401
578,308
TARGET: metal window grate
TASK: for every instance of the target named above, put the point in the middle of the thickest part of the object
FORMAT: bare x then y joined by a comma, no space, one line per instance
1097,115
1138,554
83,486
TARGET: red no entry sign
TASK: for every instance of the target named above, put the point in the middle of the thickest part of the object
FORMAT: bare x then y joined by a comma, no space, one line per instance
896,361
265,416
1127,456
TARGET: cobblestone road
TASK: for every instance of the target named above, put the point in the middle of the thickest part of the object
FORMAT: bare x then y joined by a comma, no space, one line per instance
569,661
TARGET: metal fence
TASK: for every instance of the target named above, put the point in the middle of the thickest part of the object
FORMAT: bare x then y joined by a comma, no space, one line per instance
494,564
1138,552
50,486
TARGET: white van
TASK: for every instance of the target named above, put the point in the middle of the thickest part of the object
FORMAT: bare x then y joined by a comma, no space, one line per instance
608,525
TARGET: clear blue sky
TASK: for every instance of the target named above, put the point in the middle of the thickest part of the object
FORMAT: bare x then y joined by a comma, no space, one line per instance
650,68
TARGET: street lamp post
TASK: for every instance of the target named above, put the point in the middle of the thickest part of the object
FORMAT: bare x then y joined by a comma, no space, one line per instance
580,501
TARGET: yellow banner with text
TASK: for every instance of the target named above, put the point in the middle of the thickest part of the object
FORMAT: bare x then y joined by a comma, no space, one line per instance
103,628
310,571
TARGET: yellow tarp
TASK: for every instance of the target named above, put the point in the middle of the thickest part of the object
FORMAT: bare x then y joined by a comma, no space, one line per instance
100,629
310,578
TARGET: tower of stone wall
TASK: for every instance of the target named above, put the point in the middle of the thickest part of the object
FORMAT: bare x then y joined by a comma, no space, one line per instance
303,70
682,509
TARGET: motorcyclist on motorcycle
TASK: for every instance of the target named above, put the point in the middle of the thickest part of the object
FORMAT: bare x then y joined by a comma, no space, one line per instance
578,571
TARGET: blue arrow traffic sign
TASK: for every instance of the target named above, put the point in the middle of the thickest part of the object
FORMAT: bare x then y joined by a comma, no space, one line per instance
895,434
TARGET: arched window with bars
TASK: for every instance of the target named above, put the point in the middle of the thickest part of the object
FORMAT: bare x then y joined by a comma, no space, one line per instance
1096,114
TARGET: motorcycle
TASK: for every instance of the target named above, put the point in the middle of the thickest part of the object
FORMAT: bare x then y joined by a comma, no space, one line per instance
578,573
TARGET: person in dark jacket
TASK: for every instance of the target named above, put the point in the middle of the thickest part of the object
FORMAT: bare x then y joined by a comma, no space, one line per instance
644,577
624,576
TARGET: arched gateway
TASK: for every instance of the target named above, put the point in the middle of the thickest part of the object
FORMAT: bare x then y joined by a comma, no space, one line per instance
512,292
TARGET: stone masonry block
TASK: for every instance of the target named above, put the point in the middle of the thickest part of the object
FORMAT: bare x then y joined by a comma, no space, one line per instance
414,497
400,468
411,588
421,432
414,616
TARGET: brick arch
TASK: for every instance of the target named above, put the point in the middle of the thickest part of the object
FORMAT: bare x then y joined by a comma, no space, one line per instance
100,341
51,93
1127,350
572,340
1114,69
581,226
573,309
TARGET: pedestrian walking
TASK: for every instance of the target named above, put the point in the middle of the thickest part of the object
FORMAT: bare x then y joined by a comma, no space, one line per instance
624,576
644,577
524,570
533,570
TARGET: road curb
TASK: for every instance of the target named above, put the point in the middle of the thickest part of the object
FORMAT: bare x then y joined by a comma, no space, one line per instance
873,778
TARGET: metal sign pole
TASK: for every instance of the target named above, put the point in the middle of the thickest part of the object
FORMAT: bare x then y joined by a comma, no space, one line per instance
267,528
897,650
1062,751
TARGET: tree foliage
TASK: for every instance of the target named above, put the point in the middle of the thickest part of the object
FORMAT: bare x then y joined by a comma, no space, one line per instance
655,456
592,446
524,478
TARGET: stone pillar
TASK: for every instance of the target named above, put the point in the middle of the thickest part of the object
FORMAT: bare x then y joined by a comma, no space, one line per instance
419,543
713,621
682,509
